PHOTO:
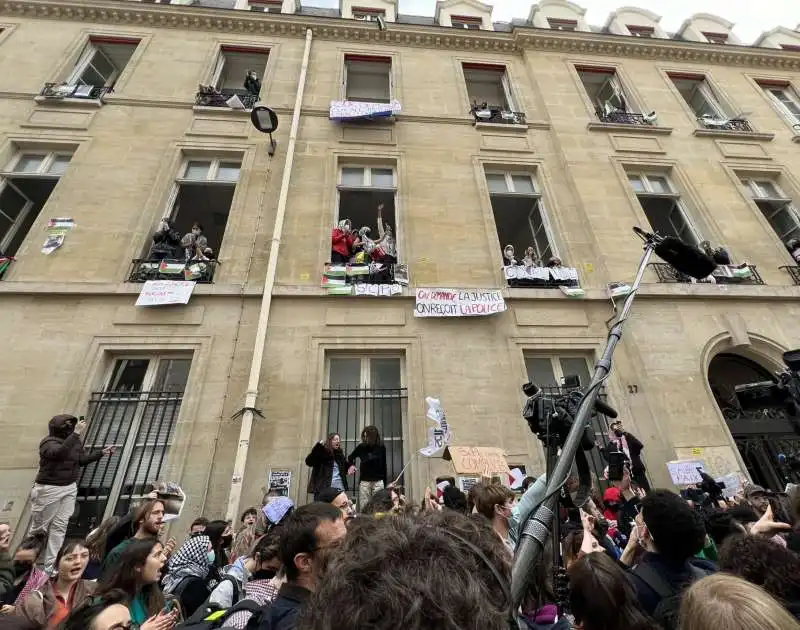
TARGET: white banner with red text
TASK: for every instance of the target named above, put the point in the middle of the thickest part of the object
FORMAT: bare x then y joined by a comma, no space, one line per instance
458,302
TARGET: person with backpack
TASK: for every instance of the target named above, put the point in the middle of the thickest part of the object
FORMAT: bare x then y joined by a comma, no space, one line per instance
671,533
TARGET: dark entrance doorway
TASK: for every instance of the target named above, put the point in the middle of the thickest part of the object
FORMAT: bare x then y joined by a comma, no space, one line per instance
767,438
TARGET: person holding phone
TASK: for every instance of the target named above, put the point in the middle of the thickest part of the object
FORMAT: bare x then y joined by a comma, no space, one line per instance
61,456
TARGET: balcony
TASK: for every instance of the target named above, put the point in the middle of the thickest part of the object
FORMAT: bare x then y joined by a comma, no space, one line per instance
374,279
201,271
5,263
724,274
496,114
59,91
794,272
209,96
617,117
520,276
731,124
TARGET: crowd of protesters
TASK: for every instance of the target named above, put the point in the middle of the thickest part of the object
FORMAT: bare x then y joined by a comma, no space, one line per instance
631,558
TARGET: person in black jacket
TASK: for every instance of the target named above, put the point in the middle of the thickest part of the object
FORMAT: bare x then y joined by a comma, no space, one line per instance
373,464
252,83
61,455
328,466
627,443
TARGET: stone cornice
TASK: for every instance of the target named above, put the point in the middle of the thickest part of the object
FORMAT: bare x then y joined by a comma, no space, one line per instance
133,14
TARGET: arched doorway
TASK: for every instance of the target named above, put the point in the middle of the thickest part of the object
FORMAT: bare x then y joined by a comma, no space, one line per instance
767,438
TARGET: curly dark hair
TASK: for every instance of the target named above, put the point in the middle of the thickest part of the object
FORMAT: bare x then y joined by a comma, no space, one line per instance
602,598
762,562
381,501
677,530
415,573
454,499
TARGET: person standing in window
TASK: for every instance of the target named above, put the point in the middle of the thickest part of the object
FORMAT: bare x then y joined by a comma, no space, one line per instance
385,247
194,243
252,83
61,456
328,466
372,454
342,242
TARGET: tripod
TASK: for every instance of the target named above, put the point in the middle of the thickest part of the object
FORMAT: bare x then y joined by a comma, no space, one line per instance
545,518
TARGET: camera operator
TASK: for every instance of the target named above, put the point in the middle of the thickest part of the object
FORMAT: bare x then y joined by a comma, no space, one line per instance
621,441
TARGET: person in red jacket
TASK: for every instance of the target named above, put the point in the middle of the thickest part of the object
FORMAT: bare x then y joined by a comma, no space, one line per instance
342,242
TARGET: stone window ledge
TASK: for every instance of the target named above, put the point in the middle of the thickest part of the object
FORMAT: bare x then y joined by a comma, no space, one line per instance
645,129
736,135
91,103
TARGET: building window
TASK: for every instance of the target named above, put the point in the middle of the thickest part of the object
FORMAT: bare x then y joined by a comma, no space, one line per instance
266,6
554,374
784,98
792,47
366,391
519,217
558,24
699,96
464,21
367,79
776,207
361,190
716,38
368,15
489,93
25,186
641,31
236,80
102,61
137,411
608,96
662,206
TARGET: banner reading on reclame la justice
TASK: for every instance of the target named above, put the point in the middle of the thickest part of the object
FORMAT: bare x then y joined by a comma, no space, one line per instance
458,302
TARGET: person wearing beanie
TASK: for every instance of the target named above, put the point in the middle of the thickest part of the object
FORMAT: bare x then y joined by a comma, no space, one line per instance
338,499
61,456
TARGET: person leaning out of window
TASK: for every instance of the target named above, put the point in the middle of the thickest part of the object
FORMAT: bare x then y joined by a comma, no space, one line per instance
328,466
372,454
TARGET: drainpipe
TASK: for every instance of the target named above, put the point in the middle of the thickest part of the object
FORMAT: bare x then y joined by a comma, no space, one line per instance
266,301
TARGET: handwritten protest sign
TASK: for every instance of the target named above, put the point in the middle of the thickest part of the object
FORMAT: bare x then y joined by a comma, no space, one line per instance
458,303
280,480
684,472
161,292
477,460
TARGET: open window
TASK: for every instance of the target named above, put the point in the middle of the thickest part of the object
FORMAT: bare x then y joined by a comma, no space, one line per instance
236,81
465,21
490,95
361,190
662,206
699,95
716,38
561,24
776,206
266,6
784,98
25,186
99,65
367,79
641,31
366,14
606,93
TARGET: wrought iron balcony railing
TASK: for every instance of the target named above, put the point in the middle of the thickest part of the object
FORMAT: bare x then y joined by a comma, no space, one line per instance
342,278
725,274
733,124
5,263
57,91
625,118
496,114
143,269
794,272
219,98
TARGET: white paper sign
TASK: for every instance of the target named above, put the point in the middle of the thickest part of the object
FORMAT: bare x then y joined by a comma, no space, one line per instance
160,292
732,483
458,302
280,480
684,472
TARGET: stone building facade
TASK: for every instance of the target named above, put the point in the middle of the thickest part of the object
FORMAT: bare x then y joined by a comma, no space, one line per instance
595,130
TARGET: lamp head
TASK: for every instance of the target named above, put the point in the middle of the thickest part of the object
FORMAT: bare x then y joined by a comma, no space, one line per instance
264,119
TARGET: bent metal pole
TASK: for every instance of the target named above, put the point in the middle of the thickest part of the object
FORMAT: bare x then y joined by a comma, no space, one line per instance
539,525
243,445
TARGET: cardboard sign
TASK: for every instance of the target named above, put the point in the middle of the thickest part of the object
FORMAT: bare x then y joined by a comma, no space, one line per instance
458,303
161,292
684,472
477,460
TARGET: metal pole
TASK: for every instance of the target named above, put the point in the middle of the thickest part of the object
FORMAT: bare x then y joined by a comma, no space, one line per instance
537,529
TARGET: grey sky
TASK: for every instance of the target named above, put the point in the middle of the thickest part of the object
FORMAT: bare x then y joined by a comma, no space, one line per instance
751,18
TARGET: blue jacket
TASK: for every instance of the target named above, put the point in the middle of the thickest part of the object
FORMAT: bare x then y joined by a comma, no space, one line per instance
523,509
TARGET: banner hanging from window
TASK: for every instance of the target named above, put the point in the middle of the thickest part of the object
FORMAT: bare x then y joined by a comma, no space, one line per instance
458,303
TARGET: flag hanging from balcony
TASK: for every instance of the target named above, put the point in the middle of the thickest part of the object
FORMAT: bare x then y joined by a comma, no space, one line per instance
352,110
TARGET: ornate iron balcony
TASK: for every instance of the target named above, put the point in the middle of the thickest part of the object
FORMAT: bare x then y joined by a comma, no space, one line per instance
219,98
5,263
794,272
668,273
201,271
496,114
57,91
734,124
624,118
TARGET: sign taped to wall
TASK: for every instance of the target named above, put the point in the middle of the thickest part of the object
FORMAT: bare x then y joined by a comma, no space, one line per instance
458,302
162,292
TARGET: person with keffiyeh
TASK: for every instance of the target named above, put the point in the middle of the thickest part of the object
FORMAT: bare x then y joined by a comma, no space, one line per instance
191,573
622,441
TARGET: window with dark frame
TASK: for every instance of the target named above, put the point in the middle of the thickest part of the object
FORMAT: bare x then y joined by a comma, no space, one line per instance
466,21
266,6
367,79
361,190
784,98
607,94
25,186
366,14
698,95
230,80
363,391
716,38
490,95
561,24
137,411
775,205
641,31
662,206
